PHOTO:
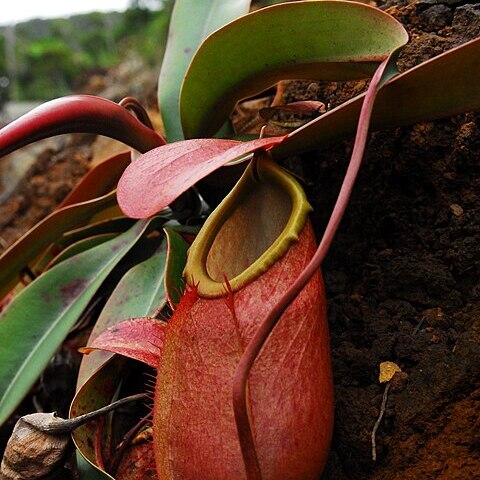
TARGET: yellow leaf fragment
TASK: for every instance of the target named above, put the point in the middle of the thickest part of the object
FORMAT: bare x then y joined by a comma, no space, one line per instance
387,371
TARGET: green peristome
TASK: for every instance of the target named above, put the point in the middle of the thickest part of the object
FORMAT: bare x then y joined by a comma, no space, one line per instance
318,40
266,197
184,37
37,320
445,85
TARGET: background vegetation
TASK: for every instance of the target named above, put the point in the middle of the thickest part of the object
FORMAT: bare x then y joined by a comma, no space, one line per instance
42,59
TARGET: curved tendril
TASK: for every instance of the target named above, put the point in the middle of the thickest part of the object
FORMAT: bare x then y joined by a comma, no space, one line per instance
245,434
133,105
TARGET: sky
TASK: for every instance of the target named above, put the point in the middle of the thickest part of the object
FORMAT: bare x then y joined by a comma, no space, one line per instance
19,10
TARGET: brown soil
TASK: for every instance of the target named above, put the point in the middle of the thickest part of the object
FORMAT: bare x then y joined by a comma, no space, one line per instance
402,280
47,182
402,275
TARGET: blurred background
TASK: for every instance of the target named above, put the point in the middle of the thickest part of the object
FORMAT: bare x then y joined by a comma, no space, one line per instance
43,58
48,49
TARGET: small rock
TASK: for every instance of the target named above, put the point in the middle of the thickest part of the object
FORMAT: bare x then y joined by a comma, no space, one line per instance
467,19
435,339
437,17
456,209
433,315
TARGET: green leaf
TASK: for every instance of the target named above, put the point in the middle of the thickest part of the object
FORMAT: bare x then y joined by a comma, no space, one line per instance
191,22
79,247
86,471
140,293
97,392
112,225
40,317
324,40
176,260
28,247
445,85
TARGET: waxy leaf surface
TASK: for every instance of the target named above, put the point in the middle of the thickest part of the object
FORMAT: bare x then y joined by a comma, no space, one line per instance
136,338
97,392
28,247
40,317
79,247
114,225
78,114
324,40
158,177
182,43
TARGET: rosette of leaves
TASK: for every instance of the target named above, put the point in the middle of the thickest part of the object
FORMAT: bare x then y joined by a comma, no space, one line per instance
207,69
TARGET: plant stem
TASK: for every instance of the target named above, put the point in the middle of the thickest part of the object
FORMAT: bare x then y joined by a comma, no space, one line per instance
125,443
70,424
253,348
132,104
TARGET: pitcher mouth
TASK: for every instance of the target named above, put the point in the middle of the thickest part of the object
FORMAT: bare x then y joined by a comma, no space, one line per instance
249,231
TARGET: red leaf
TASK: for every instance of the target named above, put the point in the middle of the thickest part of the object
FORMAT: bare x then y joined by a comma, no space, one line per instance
157,178
78,114
137,338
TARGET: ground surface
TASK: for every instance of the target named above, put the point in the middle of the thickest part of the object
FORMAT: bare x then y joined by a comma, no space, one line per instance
402,276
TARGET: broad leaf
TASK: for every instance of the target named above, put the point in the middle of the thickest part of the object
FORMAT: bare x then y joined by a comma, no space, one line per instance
136,338
140,293
86,471
28,247
113,225
78,114
158,177
97,392
324,40
184,37
445,85
79,247
40,317
176,259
